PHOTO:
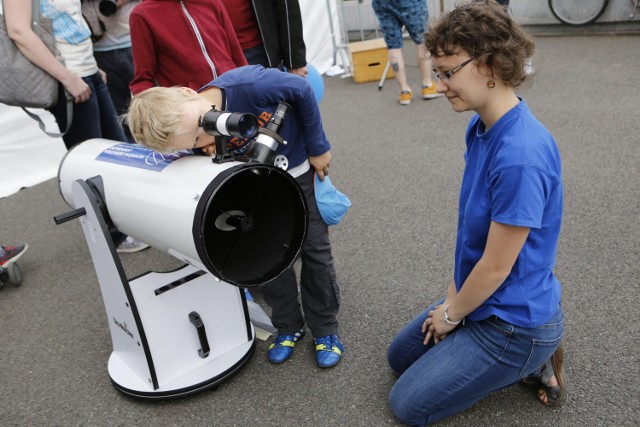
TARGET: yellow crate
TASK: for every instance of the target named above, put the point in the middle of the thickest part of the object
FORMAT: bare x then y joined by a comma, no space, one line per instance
369,59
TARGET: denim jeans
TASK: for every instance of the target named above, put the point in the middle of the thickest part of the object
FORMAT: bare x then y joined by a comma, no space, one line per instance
94,118
118,64
474,360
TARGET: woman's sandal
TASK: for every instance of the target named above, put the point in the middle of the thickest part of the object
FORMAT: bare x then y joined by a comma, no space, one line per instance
553,395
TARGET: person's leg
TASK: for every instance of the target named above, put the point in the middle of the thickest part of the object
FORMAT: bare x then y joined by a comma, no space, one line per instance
408,346
414,18
319,289
391,26
424,64
396,59
118,64
86,117
109,124
281,294
470,363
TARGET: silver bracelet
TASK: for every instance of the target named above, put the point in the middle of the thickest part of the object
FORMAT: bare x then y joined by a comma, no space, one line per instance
445,317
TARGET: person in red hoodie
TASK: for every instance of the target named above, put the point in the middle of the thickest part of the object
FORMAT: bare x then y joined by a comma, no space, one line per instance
181,43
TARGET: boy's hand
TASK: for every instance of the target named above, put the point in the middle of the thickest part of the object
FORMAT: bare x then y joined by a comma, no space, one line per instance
321,164
302,71
209,150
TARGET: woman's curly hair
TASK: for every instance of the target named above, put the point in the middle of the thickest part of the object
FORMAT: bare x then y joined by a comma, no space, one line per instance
485,31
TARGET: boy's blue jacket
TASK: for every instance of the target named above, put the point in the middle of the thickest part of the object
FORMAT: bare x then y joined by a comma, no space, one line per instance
258,90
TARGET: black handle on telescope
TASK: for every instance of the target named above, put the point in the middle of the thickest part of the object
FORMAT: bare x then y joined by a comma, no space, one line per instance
195,318
68,216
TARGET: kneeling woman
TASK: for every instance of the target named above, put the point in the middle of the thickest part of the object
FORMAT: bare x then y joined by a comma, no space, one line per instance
501,321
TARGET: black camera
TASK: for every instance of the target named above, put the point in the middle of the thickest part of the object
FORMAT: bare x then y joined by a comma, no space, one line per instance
107,7
223,123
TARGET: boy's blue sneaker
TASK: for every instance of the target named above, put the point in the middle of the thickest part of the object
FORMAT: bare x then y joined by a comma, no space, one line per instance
282,348
329,351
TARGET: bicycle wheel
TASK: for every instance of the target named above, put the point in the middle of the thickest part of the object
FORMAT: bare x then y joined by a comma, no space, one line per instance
576,13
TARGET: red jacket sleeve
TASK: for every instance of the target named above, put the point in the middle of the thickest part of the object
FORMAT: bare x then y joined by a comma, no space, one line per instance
144,55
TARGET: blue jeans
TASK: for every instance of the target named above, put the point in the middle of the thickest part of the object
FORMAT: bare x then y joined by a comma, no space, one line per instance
118,64
94,118
473,361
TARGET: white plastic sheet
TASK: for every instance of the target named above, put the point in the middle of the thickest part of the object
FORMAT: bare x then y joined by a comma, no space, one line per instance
27,156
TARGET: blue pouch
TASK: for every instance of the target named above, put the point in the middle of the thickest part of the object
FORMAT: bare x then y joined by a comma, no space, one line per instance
332,204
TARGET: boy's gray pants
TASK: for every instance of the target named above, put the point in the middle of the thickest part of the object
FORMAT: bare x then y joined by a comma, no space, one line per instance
319,290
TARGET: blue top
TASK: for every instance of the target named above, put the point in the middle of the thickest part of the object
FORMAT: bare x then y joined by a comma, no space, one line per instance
512,176
258,90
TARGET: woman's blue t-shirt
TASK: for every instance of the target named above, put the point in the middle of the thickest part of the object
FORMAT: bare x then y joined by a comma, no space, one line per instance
512,176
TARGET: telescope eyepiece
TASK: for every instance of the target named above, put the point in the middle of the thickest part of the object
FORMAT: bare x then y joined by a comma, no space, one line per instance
224,123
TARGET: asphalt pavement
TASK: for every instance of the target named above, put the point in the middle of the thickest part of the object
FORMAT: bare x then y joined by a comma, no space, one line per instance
401,166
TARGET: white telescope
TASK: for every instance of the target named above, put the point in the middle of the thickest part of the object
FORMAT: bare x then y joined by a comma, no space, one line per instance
243,222
232,223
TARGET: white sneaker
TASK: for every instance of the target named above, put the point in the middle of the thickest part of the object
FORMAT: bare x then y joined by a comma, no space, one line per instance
131,245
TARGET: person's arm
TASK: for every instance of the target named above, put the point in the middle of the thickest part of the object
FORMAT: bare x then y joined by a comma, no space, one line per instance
504,244
304,101
144,55
273,86
18,20
289,20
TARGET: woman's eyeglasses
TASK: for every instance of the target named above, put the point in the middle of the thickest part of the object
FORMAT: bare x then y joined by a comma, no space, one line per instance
446,75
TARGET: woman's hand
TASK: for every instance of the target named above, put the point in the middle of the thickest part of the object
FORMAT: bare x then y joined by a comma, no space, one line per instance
77,87
435,326
321,164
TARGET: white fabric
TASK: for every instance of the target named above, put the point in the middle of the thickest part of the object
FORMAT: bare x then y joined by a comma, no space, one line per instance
318,16
27,156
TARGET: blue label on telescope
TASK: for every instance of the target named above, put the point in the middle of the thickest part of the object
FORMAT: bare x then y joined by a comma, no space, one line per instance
137,156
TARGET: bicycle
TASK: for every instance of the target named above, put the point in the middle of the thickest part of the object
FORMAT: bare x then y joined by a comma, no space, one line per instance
588,11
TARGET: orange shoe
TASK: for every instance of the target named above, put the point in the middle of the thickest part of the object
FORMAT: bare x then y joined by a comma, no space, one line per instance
429,92
405,97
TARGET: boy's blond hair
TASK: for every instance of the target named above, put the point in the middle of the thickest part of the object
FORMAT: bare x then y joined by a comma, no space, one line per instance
155,115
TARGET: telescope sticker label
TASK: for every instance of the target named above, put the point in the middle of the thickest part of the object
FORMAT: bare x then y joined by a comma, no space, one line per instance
137,156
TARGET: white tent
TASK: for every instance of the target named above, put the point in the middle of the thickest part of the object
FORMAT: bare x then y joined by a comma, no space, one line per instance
323,33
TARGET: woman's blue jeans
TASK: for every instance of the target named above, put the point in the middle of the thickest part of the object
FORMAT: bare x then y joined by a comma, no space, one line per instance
473,361
94,118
